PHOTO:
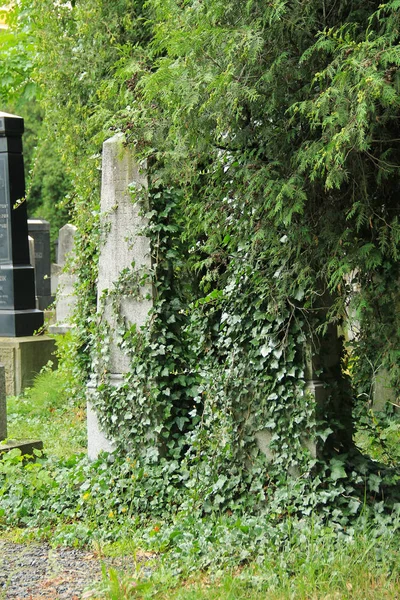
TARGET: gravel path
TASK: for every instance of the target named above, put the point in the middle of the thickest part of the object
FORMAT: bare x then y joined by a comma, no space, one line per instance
37,571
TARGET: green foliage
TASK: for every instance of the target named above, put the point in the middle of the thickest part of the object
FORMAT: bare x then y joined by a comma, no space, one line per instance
308,537
47,182
305,568
71,501
18,52
378,435
48,412
270,134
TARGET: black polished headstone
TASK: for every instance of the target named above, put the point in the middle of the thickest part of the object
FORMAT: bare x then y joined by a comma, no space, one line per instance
39,230
18,314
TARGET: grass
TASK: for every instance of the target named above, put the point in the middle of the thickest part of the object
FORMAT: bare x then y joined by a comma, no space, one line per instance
232,588
44,412
360,570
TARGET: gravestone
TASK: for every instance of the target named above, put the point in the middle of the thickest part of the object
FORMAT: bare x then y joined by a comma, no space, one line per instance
383,391
61,272
27,447
18,313
31,243
123,249
39,230
22,353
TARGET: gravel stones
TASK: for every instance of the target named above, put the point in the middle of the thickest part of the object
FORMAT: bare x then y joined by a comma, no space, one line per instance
33,571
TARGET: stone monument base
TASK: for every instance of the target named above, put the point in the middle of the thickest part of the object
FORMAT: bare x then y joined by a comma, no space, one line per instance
60,328
26,446
19,323
43,302
97,440
23,358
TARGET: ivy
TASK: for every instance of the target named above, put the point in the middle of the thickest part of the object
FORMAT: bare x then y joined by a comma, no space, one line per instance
270,134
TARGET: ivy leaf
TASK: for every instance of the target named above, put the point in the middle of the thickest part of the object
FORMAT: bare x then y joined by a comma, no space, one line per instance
265,350
323,435
353,506
374,482
299,294
337,469
220,482
180,421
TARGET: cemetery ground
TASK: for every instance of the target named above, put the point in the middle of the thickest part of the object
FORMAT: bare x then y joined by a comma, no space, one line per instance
69,529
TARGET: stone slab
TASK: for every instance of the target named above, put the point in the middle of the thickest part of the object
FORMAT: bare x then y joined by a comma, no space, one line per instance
23,358
26,446
39,230
66,240
125,254
55,274
97,439
65,294
123,248
55,329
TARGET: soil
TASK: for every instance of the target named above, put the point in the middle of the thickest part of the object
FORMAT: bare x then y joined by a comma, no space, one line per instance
33,571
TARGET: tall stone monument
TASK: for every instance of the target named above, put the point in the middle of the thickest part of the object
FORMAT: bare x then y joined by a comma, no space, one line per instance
123,249
18,313
22,353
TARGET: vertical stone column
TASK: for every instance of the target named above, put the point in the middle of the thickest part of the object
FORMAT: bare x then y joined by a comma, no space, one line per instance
122,247
124,254
39,230
18,313
65,294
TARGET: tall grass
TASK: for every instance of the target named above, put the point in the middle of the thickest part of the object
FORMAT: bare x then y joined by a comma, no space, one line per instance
45,412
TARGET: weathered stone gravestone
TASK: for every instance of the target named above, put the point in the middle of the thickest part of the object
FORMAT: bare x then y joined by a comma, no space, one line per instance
383,392
65,296
39,230
22,353
122,250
